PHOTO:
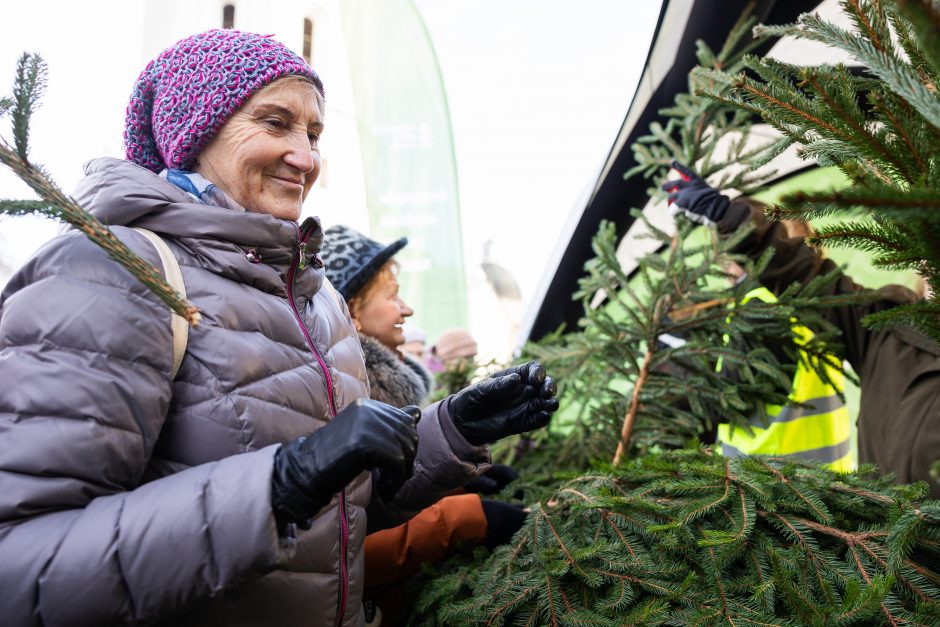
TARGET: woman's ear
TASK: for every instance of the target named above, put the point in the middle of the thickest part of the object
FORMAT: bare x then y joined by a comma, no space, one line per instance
356,323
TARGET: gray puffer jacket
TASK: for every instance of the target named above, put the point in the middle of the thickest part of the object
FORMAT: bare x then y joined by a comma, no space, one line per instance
127,497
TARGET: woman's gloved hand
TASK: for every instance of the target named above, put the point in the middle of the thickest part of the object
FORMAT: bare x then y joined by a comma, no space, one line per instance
503,520
363,436
691,196
515,400
493,480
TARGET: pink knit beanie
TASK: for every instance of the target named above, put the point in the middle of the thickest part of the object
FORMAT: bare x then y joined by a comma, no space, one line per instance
186,94
455,344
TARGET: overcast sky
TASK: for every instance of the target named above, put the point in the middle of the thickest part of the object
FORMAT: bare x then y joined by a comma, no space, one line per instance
537,88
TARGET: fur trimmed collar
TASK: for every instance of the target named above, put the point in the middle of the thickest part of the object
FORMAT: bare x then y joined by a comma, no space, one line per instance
392,380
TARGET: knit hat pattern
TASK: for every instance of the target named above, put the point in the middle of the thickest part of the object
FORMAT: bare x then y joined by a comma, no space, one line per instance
185,95
351,259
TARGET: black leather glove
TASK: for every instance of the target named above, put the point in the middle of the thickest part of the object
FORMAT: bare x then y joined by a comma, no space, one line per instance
502,522
363,436
493,480
515,400
694,198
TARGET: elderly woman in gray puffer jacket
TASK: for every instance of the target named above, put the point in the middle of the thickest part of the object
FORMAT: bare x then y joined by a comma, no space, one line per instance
240,491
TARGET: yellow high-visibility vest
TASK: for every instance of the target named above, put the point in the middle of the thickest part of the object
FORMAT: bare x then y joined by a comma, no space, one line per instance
816,431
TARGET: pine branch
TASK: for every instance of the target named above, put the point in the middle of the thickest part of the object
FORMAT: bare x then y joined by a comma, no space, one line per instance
874,55
28,87
628,420
750,541
24,207
855,122
924,16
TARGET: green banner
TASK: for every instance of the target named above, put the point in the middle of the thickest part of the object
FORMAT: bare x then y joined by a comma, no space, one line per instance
408,155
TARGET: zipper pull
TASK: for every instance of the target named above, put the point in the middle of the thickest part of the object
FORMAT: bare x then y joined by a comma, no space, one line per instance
303,256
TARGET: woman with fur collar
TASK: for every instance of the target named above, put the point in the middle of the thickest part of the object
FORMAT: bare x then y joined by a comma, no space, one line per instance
366,274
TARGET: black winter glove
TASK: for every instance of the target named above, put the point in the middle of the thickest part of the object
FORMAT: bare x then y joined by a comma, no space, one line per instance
493,480
502,522
365,435
693,197
515,400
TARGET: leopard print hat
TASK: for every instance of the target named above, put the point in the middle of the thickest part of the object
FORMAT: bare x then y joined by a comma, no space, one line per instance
351,259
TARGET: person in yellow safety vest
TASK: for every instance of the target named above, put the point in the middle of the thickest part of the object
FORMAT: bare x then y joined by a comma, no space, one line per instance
816,429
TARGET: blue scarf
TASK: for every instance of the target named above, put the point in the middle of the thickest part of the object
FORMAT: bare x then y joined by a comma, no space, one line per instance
201,189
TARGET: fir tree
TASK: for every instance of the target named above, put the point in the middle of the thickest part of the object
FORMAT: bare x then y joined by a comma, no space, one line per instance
28,87
654,394
678,348
881,128
685,537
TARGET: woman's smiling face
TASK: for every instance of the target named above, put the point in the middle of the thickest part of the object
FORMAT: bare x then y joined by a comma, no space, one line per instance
379,311
266,157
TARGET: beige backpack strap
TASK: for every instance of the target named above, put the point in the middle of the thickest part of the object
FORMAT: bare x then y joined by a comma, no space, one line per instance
174,276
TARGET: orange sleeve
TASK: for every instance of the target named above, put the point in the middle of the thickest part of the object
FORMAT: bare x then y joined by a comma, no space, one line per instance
392,555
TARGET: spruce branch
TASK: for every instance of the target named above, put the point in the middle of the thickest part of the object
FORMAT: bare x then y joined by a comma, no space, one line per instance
916,202
712,540
888,149
28,87
924,16
24,207
854,121
630,417
867,22
884,63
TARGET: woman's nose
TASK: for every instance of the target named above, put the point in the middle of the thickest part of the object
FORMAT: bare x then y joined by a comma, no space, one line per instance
299,155
406,310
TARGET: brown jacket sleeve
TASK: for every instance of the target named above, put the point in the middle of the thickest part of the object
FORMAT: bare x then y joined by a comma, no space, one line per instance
796,262
394,554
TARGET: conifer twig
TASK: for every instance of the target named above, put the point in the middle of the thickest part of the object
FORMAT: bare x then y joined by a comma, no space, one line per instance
684,312
28,87
630,417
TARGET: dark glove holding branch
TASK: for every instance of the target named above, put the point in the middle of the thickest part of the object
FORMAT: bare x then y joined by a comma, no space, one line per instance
512,401
694,198
363,436
493,480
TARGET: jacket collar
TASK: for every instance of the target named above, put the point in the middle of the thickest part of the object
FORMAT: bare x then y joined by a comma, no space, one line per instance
252,248
916,338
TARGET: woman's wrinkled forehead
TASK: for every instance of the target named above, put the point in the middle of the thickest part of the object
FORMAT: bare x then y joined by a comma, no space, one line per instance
272,92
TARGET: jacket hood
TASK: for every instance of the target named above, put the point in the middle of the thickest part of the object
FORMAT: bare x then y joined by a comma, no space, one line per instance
121,193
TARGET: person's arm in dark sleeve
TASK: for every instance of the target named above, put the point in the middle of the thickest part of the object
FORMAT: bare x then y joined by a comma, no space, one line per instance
397,553
796,262
793,262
